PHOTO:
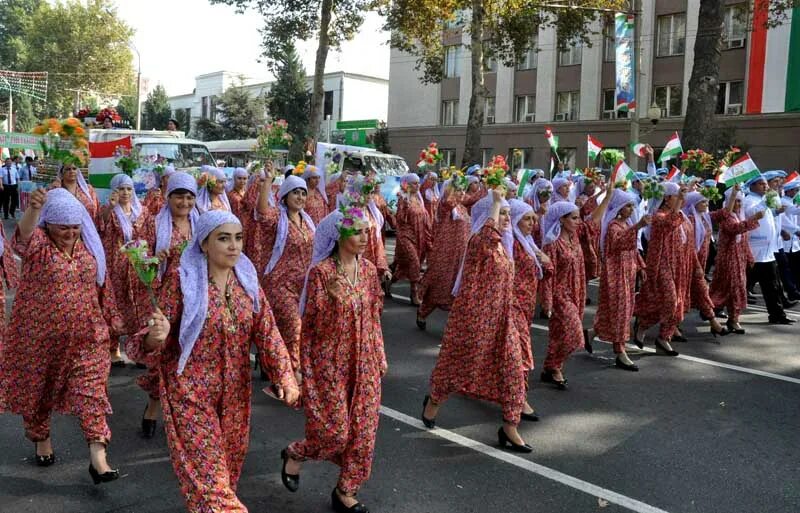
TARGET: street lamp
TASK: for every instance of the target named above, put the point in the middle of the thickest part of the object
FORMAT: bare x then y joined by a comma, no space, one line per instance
654,113
138,87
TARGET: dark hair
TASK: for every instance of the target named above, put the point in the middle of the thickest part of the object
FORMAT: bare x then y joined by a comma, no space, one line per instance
175,122
180,191
28,159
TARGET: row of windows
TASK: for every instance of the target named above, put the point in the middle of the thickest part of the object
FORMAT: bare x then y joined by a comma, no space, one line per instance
524,161
669,98
670,40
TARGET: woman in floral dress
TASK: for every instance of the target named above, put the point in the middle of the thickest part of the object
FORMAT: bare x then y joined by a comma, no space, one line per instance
476,191
342,358
236,194
169,233
57,359
120,222
449,242
70,177
729,286
285,236
211,193
334,187
430,193
9,276
481,355
200,346
621,262
316,203
413,232
154,199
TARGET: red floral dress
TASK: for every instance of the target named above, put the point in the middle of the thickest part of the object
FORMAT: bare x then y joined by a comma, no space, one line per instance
481,354
236,199
568,298
284,284
449,241
153,201
526,283
590,240
342,361
55,356
413,232
9,276
662,296
621,262
729,285
375,252
695,275
207,407
316,207
331,191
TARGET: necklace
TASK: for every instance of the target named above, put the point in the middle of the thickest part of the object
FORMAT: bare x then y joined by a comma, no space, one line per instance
299,225
340,268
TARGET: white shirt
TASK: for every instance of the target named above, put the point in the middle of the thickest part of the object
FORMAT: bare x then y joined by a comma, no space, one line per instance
763,240
790,222
9,175
26,172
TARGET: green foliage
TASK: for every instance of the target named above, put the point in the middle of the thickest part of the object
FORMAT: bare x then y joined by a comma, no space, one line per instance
290,99
381,138
128,105
239,114
208,130
184,120
156,110
14,25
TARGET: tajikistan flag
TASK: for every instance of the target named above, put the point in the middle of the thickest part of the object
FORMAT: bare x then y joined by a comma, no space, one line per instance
794,177
638,149
740,171
622,174
674,175
672,149
552,140
594,147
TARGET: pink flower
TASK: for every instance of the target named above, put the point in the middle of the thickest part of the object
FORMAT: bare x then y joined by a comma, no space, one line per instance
347,222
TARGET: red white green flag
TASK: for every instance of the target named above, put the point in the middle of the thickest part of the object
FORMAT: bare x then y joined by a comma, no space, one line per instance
792,178
674,175
740,171
638,149
622,173
552,140
672,149
594,147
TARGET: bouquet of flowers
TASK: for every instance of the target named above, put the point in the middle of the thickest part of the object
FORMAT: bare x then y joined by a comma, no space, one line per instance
458,181
335,159
146,266
772,200
108,112
207,180
732,155
361,187
516,158
127,159
697,161
494,173
272,135
711,194
591,175
652,190
64,141
429,156
300,168
611,157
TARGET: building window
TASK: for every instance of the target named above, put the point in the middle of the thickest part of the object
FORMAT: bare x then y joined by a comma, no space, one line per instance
530,58
729,100
486,156
328,105
735,30
448,157
212,107
669,98
567,106
671,35
525,109
489,61
525,161
571,54
452,55
610,104
450,112
609,44
488,110
204,107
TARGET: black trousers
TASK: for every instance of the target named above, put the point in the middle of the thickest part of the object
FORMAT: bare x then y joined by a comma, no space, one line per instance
766,274
787,279
794,266
10,199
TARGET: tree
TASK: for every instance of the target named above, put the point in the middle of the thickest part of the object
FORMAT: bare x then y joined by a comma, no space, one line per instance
331,22
83,47
15,16
500,30
289,99
381,138
700,124
156,110
208,130
128,105
184,120
239,114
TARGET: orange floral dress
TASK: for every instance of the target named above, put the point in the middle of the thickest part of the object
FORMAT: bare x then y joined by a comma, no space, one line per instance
526,283
316,208
729,285
153,201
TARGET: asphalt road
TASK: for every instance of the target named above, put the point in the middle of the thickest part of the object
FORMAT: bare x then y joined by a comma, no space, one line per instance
714,430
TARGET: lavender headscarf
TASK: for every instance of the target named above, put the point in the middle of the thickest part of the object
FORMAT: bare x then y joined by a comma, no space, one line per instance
312,172
618,201
432,193
204,195
411,178
558,183
81,181
740,215
538,186
518,210
689,209
122,180
178,180
194,281
480,214
291,183
551,222
238,172
61,207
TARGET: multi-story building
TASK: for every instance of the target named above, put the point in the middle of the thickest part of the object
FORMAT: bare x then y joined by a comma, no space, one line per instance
348,96
572,91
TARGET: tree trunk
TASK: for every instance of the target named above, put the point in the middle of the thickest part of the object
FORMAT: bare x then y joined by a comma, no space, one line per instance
318,91
699,126
472,145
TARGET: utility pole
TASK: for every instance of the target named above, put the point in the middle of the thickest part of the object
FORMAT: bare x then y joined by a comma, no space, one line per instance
636,8
138,88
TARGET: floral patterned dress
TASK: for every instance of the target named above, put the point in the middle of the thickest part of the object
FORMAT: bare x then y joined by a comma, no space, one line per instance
413,232
568,297
316,207
207,407
342,364
331,190
449,241
590,240
662,296
729,285
695,275
153,201
236,199
57,358
526,283
621,262
9,276
284,284
376,251
481,349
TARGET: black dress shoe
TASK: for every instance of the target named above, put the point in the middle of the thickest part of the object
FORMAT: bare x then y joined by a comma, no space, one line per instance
782,320
421,323
587,342
679,338
429,423
789,303
290,481
531,417
105,477
504,441
624,366
719,313
339,507
148,426
547,377
43,461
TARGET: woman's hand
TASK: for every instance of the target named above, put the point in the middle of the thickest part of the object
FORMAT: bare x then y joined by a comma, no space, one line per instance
158,330
288,395
37,199
543,258
644,221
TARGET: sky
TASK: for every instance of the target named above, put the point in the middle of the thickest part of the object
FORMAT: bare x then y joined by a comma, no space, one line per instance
181,39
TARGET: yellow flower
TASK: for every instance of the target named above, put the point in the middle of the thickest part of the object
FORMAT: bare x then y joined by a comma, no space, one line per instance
79,131
40,130
53,125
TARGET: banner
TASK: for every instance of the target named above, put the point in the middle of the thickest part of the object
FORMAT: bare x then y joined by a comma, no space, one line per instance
626,65
19,141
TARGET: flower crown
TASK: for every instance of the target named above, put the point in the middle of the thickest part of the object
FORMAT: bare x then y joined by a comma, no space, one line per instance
362,186
300,168
494,173
353,218
429,155
207,180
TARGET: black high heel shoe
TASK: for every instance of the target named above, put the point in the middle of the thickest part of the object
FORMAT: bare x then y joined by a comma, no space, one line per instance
148,426
43,461
339,507
723,332
105,477
290,481
503,441
639,343
679,338
532,416
429,423
547,377
733,329
587,342
624,366
668,352
421,323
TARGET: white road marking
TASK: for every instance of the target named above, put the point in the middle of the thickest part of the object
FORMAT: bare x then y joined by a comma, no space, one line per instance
535,468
